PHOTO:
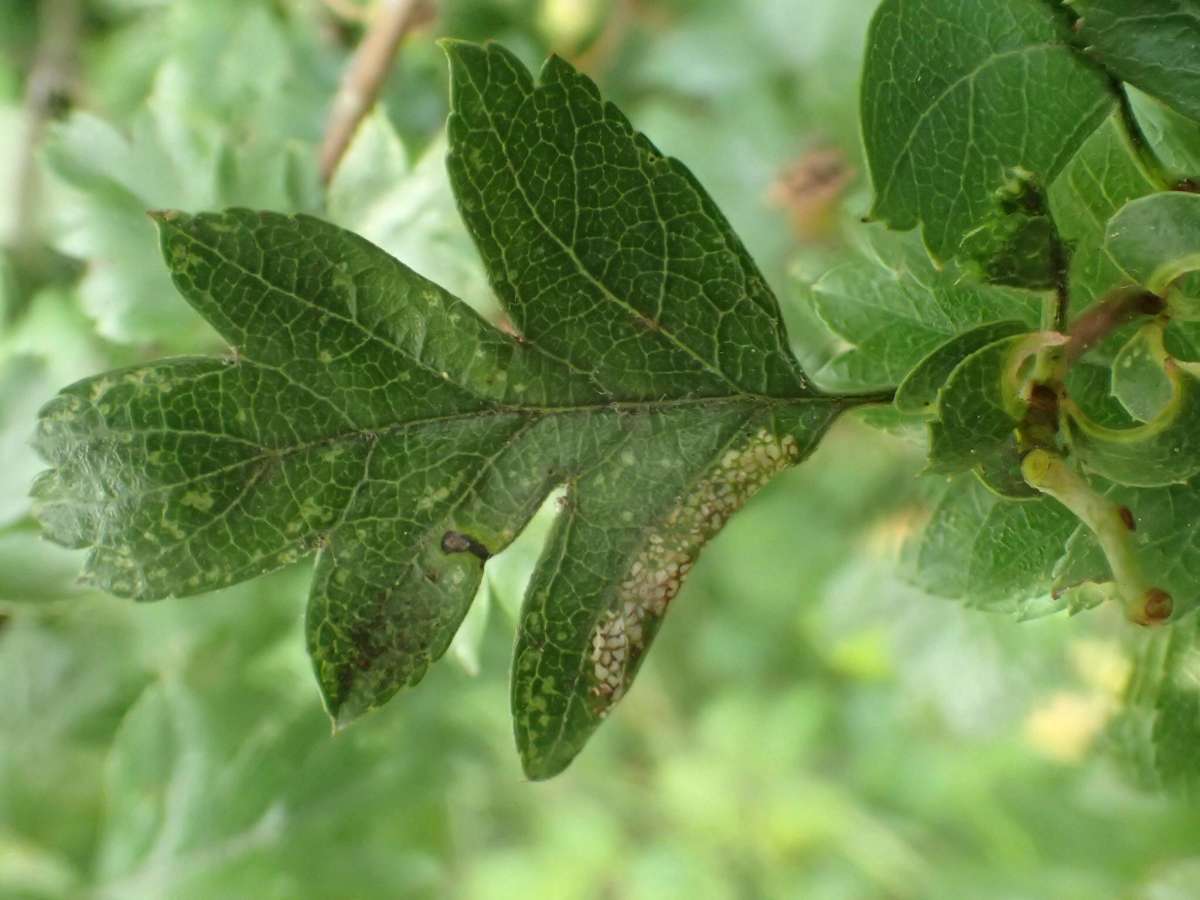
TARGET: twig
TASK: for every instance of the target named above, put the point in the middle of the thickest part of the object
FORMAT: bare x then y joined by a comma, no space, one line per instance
1119,307
348,10
364,77
1060,262
596,58
51,79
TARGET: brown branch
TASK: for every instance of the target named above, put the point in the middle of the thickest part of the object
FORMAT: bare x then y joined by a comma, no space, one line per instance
1117,308
348,11
364,77
596,59
50,83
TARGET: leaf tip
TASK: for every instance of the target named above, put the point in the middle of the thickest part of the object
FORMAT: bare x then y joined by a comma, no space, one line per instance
343,715
164,216
458,51
539,766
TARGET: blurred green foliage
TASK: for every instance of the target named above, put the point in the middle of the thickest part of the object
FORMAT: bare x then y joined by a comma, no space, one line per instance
809,726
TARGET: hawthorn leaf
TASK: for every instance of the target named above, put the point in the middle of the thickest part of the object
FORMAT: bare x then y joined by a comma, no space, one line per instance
987,551
1103,175
918,392
954,97
371,418
1160,451
1139,379
1153,44
541,224
1090,388
1156,239
1174,137
1099,180
979,407
892,318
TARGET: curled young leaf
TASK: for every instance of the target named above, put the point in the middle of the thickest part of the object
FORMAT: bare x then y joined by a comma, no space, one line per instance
1156,239
918,392
1139,376
983,402
1163,450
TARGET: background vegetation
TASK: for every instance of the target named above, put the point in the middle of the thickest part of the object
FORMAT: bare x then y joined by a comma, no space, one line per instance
810,725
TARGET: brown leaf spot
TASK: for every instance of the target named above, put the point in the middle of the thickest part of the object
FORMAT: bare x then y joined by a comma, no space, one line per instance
1126,515
1157,607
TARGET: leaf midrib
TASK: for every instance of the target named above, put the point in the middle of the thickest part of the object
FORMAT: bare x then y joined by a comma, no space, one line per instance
629,407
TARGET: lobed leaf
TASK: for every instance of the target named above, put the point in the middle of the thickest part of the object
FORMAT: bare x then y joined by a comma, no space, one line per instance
371,418
1139,378
1099,180
892,318
980,406
990,552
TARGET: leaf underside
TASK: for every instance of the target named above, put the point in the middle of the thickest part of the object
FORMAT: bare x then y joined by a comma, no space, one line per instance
369,417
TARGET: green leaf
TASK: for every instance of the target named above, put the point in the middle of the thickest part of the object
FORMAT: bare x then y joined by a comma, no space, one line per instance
24,385
1149,43
635,225
979,407
918,392
1164,450
1158,728
218,130
987,551
371,417
978,411
1016,243
1100,178
1175,138
1090,388
1156,239
891,318
1139,380
954,97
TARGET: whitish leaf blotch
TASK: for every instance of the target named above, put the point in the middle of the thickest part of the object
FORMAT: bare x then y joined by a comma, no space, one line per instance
370,418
